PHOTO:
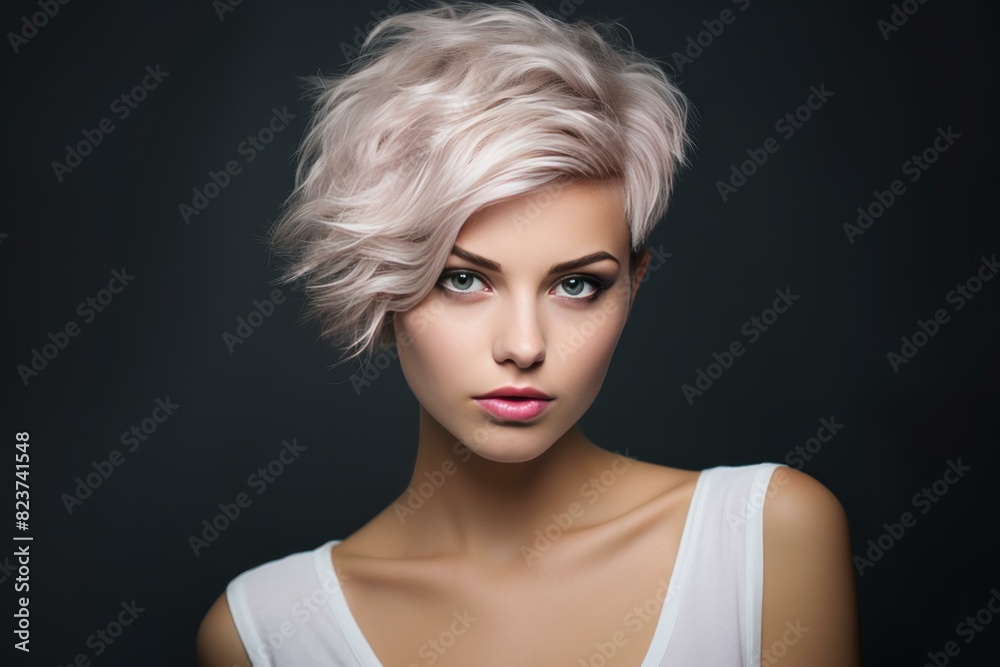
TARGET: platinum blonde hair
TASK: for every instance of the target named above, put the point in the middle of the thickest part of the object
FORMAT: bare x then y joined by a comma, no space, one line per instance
445,111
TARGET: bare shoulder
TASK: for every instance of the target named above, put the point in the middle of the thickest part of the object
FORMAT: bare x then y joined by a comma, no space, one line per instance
218,643
660,478
650,486
810,614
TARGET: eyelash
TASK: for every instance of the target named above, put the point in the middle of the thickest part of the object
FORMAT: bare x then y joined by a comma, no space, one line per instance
599,284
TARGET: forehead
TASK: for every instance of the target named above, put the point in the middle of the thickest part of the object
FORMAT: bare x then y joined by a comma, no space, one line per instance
555,222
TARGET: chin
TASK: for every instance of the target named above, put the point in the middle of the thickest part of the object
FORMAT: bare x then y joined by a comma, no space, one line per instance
499,454
514,454
508,443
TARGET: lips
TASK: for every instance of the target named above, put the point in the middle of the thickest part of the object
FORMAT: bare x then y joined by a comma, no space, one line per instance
515,403
517,393
514,409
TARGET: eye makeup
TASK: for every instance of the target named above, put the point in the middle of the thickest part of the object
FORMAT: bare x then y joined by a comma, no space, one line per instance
599,282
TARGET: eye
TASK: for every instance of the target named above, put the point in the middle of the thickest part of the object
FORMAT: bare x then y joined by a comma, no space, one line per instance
576,286
460,281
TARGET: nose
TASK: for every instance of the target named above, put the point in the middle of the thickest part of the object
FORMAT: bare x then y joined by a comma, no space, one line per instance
519,335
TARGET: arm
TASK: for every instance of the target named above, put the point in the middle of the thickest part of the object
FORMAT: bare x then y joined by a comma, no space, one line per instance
810,609
218,643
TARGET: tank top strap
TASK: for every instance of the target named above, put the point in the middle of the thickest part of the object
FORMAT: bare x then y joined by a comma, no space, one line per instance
724,588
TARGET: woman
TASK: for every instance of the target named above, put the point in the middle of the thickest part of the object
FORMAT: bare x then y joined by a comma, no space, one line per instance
478,191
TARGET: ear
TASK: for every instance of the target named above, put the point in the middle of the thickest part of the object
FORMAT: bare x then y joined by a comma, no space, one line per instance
388,334
640,271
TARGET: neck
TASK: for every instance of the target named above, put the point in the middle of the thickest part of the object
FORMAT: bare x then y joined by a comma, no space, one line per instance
460,503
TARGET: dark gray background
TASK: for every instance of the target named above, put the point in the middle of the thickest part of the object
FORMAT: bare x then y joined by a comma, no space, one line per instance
163,334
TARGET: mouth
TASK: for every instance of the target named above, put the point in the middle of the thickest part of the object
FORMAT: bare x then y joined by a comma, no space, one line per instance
514,408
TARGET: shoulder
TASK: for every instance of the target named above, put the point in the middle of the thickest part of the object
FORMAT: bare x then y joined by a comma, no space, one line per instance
809,593
218,643
802,517
259,597
662,479
797,501
653,488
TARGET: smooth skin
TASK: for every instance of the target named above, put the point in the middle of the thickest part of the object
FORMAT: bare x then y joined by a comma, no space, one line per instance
470,569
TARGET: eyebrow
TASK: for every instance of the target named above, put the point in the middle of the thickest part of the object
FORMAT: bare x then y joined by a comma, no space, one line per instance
556,268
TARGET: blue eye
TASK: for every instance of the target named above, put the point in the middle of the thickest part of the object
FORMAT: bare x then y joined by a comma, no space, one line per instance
467,278
578,284
574,287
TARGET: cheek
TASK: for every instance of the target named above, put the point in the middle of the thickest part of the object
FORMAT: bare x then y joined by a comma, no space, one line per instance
417,321
430,347
440,342
587,344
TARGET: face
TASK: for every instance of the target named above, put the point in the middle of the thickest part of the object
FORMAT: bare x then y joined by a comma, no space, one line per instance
535,294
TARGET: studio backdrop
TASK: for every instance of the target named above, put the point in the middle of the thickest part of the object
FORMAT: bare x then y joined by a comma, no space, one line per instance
822,292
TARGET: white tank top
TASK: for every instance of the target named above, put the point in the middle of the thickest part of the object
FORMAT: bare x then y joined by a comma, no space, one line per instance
291,612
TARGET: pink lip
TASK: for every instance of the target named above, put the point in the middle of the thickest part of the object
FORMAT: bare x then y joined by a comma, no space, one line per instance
516,392
513,409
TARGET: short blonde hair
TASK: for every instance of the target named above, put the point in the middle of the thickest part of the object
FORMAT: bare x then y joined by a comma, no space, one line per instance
448,110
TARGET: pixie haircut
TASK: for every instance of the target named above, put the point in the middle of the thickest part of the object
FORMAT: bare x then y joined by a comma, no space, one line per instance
446,111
